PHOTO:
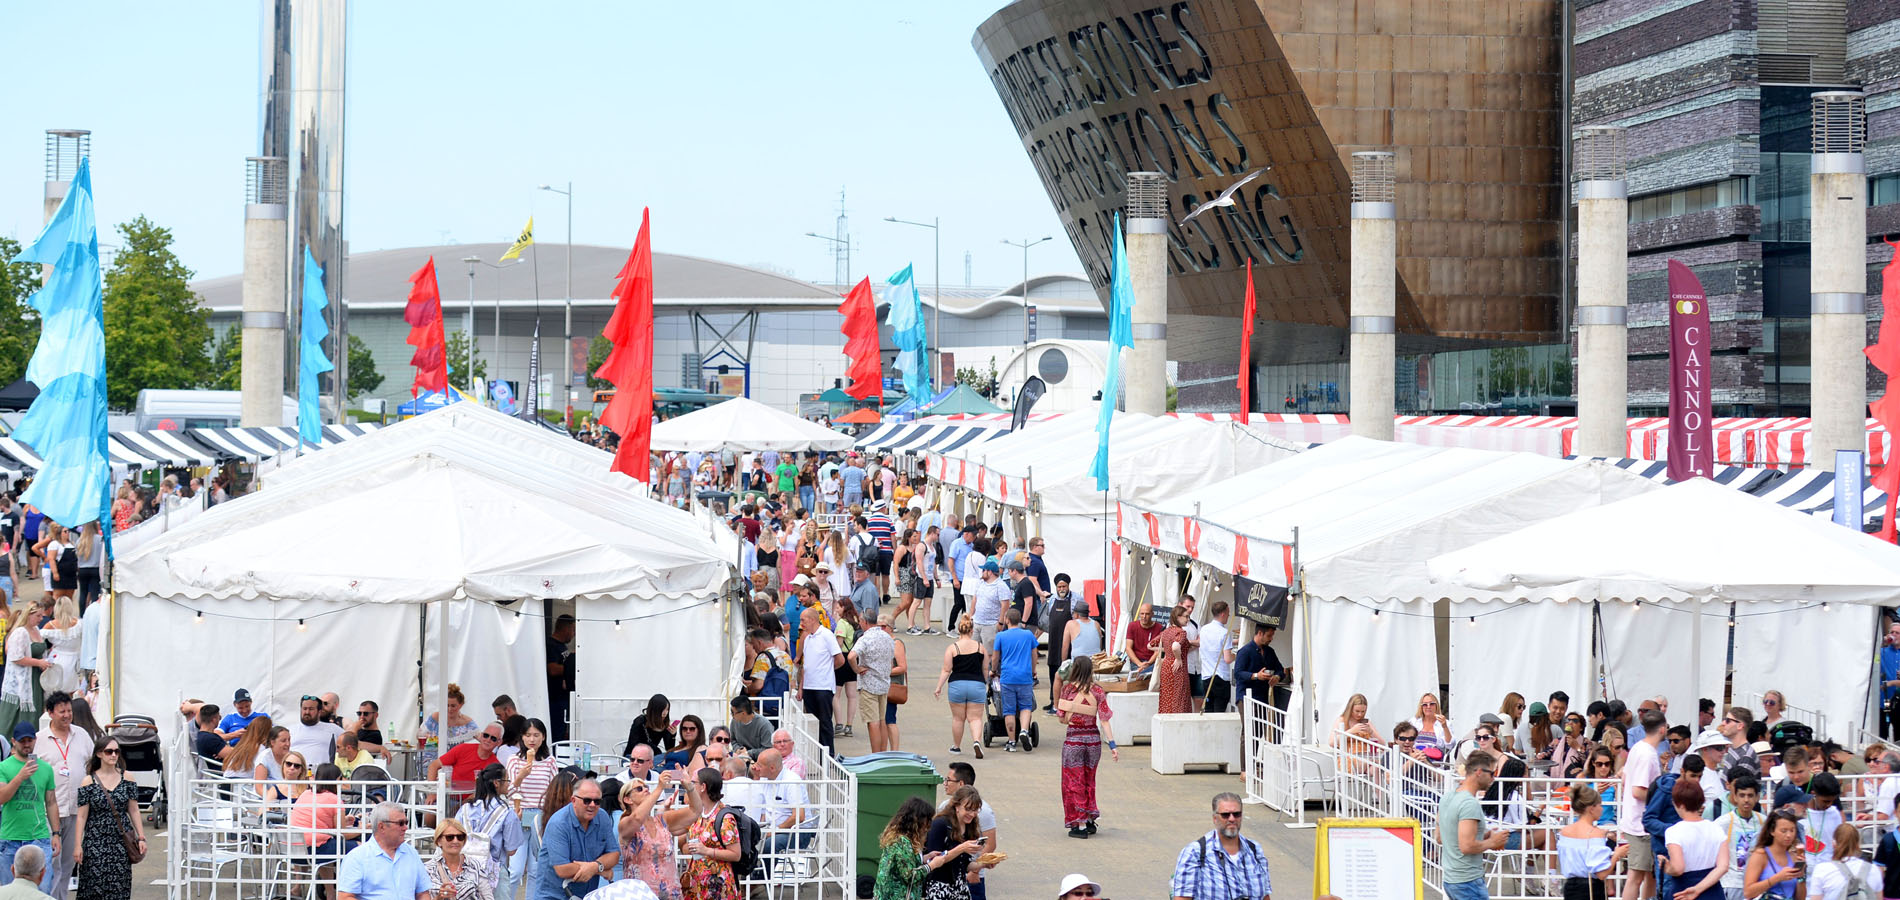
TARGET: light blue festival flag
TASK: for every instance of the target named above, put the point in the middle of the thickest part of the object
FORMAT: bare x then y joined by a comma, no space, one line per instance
66,425
310,359
909,334
1121,333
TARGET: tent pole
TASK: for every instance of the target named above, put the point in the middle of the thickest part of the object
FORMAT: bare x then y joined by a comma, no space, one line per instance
442,677
1695,654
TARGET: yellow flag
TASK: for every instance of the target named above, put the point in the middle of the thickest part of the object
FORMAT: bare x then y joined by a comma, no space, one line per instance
521,243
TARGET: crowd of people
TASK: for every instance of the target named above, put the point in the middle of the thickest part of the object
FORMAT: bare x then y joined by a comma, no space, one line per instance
1720,802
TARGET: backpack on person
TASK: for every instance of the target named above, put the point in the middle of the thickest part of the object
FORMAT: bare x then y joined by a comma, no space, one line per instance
1856,881
1787,734
479,835
777,681
867,552
748,843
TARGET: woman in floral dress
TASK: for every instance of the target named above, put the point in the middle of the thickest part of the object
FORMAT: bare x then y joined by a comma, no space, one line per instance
713,842
1080,705
1171,664
647,835
108,803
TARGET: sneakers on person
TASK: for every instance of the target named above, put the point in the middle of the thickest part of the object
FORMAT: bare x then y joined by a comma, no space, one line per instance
1009,747
932,631
912,631
955,749
1090,827
1078,833
1028,744
978,747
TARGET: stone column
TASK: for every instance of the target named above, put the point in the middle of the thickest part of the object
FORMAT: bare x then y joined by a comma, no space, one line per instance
266,283
1602,293
1146,372
1374,295
1837,203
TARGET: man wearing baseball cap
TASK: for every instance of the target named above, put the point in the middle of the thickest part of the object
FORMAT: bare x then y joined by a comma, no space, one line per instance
232,727
29,809
1078,887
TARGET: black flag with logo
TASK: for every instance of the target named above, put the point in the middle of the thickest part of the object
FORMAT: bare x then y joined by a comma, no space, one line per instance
1031,391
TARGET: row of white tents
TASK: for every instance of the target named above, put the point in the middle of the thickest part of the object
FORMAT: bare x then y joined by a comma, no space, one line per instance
1411,566
435,540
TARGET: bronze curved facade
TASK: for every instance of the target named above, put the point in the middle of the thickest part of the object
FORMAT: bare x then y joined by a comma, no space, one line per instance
1467,95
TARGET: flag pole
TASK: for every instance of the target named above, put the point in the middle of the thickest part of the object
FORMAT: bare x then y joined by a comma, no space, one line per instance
534,344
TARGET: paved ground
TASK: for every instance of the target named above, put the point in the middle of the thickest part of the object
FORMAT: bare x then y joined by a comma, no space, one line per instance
1147,817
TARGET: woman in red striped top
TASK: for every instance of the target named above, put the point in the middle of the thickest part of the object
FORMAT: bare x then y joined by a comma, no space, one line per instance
529,773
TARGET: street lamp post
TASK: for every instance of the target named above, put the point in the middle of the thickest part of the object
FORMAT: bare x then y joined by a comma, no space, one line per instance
567,343
471,336
469,320
1024,246
936,297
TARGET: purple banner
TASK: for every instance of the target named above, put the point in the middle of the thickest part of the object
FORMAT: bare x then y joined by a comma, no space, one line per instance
1691,453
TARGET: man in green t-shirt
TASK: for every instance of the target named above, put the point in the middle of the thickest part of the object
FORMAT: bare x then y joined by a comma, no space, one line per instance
1462,837
787,475
27,806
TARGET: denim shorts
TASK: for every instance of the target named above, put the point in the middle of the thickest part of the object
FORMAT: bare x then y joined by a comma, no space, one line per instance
1467,890
1018,698
966,692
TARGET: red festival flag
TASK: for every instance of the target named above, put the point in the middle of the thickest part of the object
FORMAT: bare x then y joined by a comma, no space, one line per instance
866,372
424,315
1691,452
1885,355
629,366
1246,347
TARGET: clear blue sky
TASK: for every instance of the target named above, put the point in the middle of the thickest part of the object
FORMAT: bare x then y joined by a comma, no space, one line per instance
738,130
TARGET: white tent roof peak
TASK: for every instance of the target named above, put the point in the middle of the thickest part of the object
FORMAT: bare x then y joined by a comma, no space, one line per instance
743,424
454,504
1696,540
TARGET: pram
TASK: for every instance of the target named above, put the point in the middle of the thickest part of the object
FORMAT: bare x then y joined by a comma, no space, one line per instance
143,756
994,726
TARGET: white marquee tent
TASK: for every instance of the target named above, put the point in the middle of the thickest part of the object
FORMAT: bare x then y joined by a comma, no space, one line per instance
1350,525
1150,458
315,582
1673,560
742,424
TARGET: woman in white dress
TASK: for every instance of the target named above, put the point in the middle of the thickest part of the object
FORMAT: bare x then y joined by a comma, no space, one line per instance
62,657
16,686
832,553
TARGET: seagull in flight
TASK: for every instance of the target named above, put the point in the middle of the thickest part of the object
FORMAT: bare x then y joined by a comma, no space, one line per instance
1226,197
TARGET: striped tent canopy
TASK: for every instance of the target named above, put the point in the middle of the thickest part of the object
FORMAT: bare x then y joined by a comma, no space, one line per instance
941,434
191,447
1806,490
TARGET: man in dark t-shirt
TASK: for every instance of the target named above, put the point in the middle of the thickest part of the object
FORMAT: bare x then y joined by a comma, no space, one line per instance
560,674
205,741
1024,597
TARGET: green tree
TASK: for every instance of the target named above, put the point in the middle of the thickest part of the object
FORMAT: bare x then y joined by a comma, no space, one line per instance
363,375
227,361
597,351
456,343
19,323
157,334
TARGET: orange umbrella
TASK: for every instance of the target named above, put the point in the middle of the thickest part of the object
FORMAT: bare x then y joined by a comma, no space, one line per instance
865,416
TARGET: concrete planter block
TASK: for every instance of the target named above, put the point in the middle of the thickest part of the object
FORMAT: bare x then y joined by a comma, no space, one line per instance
1194,739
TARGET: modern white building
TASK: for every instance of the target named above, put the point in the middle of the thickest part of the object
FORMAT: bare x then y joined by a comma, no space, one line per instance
720,327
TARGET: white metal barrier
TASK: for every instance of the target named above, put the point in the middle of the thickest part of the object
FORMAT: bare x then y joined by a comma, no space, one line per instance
1280,772
823,859
227,840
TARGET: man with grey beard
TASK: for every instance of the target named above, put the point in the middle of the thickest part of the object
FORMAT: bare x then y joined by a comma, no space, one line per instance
1221,864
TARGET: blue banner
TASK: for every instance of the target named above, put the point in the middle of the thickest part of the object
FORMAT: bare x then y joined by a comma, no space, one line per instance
66,425
310,359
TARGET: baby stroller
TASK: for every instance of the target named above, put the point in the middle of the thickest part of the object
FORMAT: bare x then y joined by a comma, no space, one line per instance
143,756
994,725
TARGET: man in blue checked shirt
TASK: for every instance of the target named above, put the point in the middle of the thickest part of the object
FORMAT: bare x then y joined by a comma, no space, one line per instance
1222,865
